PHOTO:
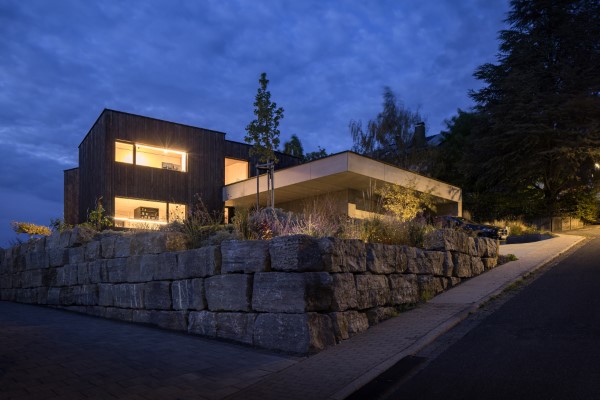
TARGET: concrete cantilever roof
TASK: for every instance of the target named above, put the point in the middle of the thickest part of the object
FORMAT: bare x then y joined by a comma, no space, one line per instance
346,170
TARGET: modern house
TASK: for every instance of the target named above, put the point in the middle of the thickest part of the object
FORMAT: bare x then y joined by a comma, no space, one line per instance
149,172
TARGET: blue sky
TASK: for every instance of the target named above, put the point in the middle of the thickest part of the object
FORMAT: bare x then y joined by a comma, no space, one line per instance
198,63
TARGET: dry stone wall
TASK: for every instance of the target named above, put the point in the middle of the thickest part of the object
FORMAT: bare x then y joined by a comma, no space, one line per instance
294,293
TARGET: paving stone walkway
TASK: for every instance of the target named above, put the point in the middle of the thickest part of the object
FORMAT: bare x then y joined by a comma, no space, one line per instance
54,354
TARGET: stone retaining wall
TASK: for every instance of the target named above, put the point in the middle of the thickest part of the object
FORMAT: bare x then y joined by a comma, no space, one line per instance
295,293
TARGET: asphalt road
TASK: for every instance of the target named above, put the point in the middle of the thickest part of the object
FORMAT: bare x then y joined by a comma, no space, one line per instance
543,342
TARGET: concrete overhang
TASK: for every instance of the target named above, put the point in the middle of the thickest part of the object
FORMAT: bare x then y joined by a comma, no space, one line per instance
338,172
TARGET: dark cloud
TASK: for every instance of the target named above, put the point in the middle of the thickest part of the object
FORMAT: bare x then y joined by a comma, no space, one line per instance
198,63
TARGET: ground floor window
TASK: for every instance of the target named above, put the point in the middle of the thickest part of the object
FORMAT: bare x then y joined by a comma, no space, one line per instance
146,214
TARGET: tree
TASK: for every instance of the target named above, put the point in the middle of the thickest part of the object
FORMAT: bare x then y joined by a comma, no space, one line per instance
263,131
293,147
389,137
541,104
315,155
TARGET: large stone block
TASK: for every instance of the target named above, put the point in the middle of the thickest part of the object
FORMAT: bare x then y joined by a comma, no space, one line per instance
236,326
372,290
292,292
489,263
122,246
231,292
66,296
421,262
98,271
85,295
106,295
477,266
128,295
296,333
67,275
448,264
449,240
117,270
296,253
49,277
349,323
65,238
380,314
175,320
53,296
83,273
344,294
107,246
487,247
385,258
5,281
403,289
156,242
32,278
198,263
92,250
245,256
76,255
188,294
203,323
80,235
57,256
36,259
53,240
430,286
343,255
462,265
120,314
157,295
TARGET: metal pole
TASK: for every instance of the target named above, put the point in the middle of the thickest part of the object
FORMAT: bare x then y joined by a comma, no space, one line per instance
257,188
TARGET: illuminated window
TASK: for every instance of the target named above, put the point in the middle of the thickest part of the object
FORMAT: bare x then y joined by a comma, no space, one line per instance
150,156
124,152
146,214
235,170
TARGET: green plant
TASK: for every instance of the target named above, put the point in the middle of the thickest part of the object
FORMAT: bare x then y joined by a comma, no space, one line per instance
30,229
404,202
97,218
59,225
504,258
199,225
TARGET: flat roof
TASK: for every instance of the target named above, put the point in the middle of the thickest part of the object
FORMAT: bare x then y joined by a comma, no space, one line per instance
346,170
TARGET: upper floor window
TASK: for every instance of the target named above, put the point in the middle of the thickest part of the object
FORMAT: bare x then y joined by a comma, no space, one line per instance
235,170
150,156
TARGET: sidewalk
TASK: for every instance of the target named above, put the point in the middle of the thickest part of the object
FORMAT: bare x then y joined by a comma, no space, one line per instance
338,372
53,354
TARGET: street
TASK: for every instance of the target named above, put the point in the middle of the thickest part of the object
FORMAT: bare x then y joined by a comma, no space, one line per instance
543,343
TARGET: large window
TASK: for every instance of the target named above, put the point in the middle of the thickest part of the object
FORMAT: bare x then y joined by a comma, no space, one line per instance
146,214
235,170
150,156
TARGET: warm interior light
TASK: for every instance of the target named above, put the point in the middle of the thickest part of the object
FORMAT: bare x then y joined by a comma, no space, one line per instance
144,221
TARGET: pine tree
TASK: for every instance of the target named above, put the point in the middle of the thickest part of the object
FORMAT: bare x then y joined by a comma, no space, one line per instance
541,103
263,131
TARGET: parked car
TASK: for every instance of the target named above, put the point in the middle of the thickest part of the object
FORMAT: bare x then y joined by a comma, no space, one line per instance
491,231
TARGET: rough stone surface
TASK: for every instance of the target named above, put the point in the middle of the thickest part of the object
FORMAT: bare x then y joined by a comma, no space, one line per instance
122,246
450,240
489,263
430,286
236,326
340,255
85,295
296,253
128,295
79,236
157,295
117,270
58,257
188,294
296,333
477,266
372,290
106,294
203,323
198,263
462,265
349,323
385,258
403,289
83,273
291,292
448,264
92,250
176,320
107,244
344,294
76,255
98,271
245,256
379,314
231,292
156,242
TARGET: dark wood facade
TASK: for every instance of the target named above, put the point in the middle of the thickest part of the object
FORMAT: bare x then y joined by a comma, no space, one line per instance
99,176
71,196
